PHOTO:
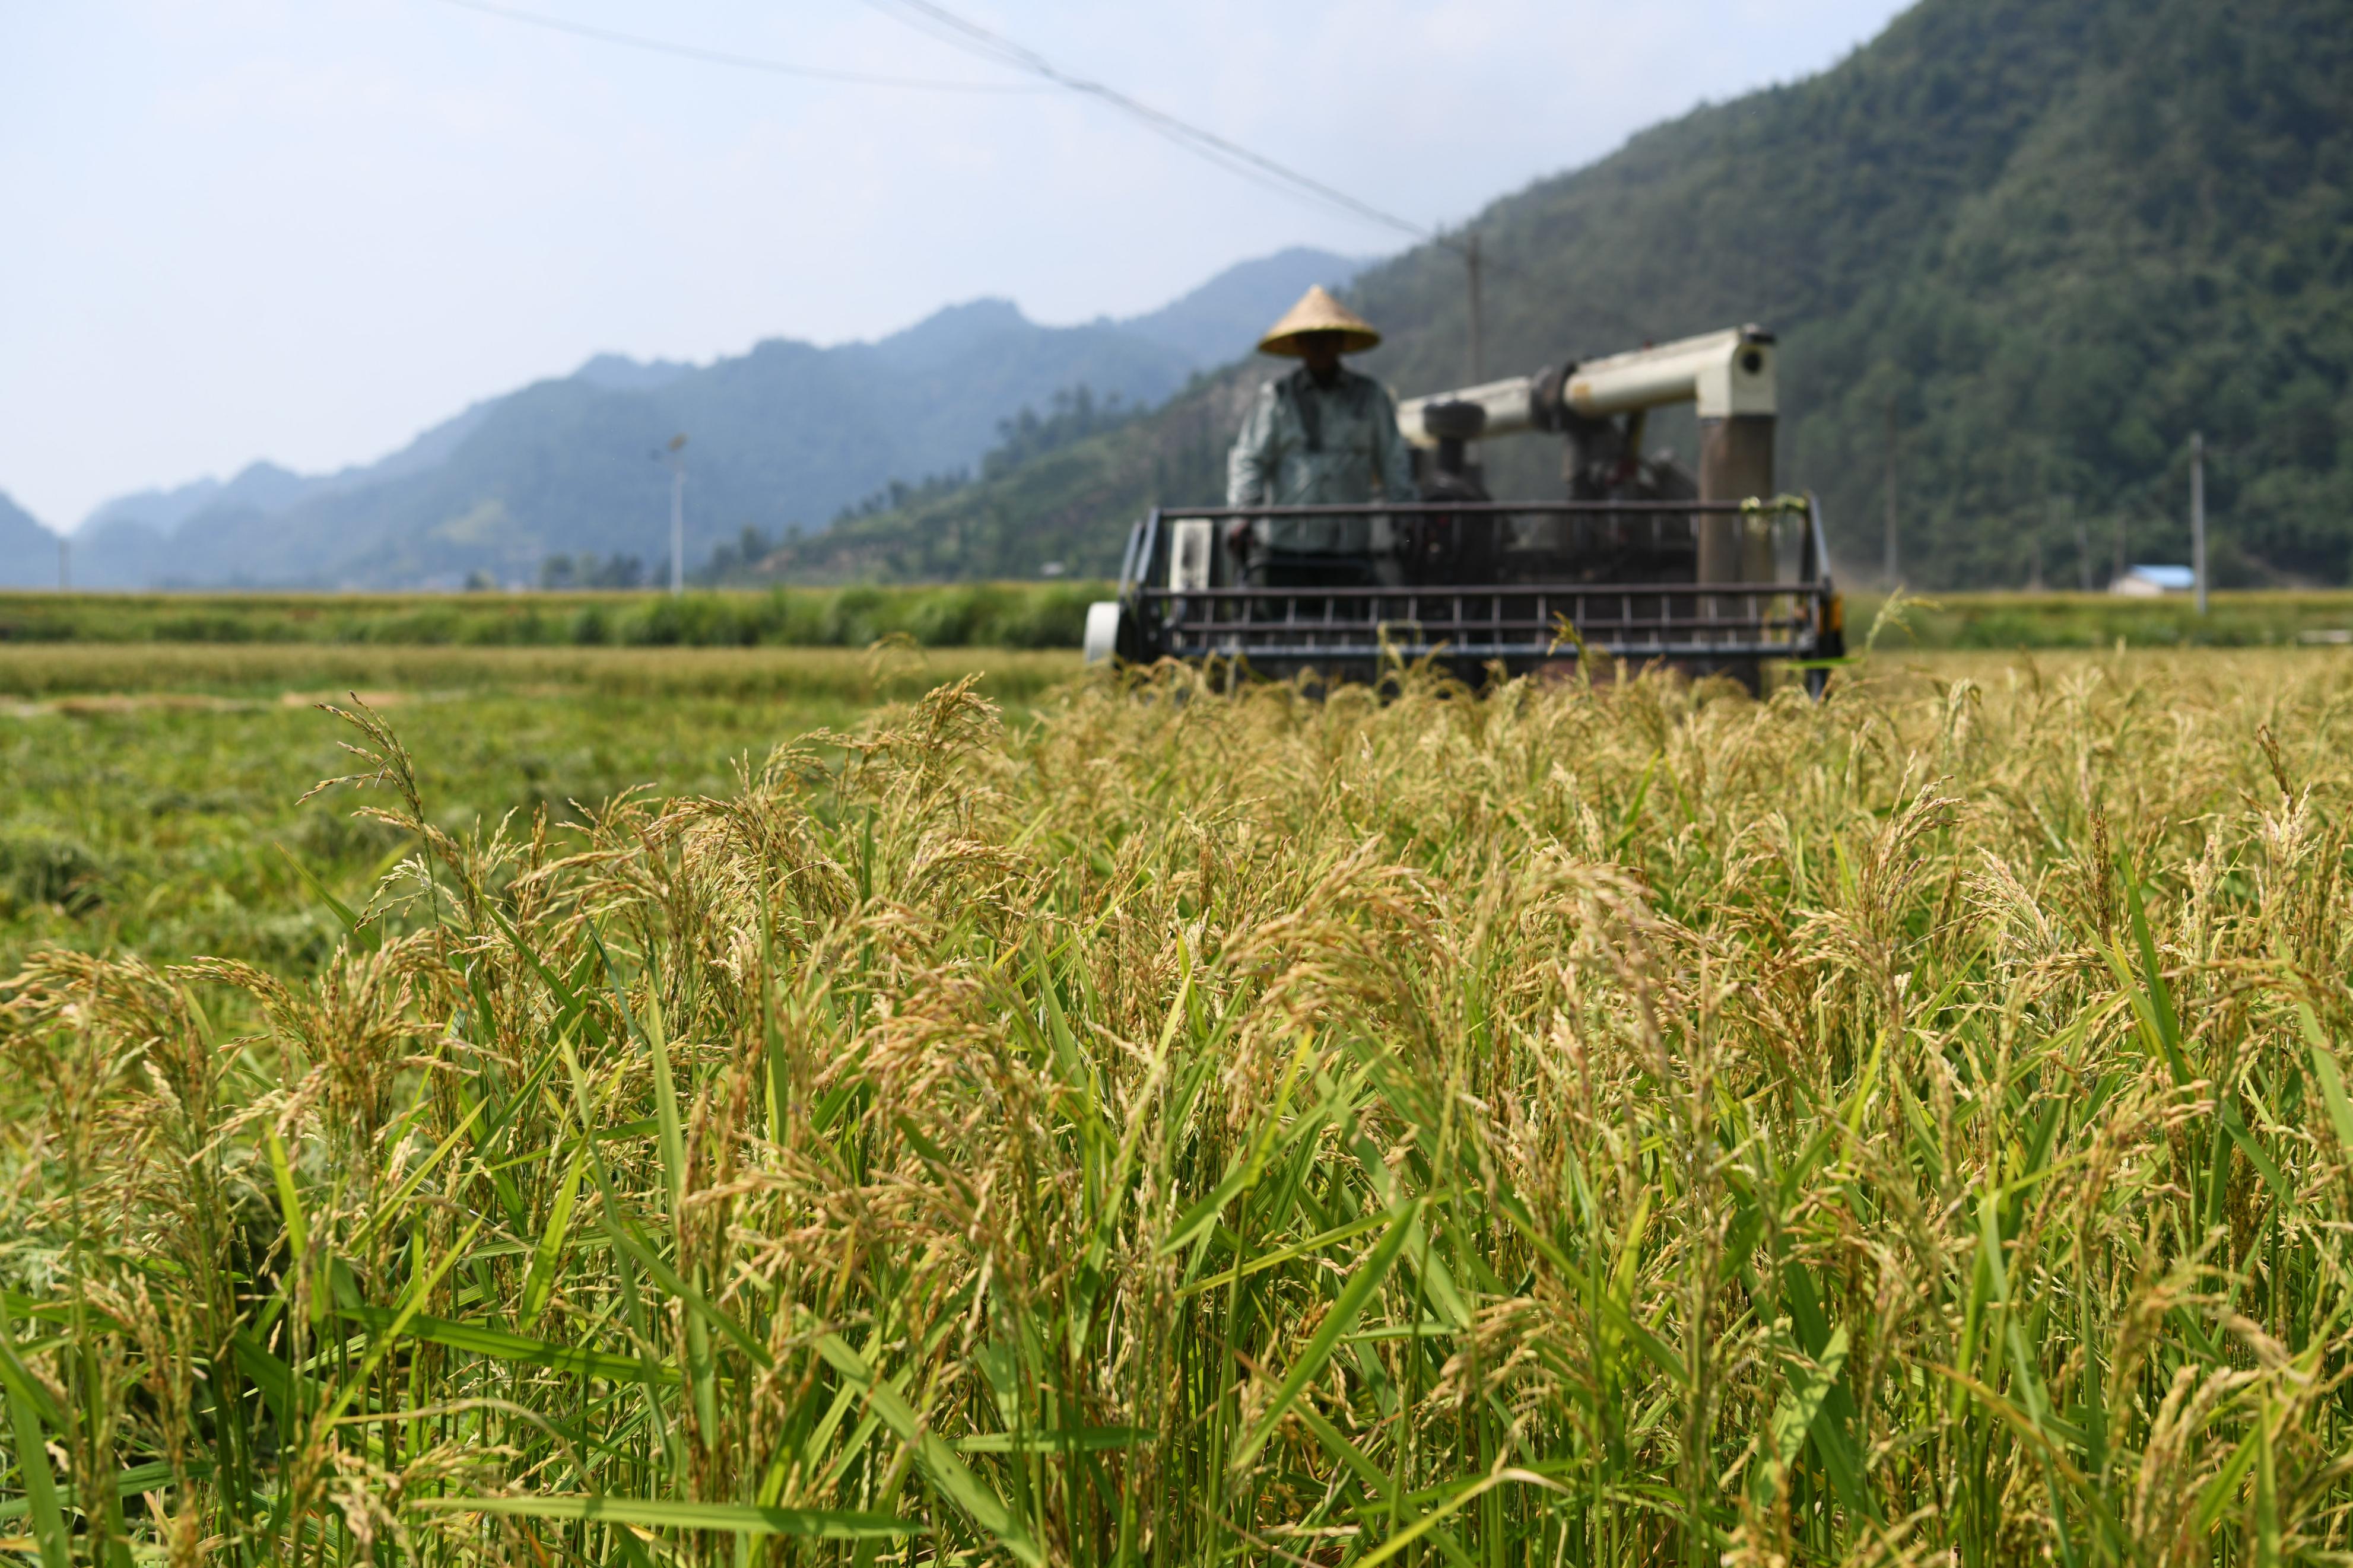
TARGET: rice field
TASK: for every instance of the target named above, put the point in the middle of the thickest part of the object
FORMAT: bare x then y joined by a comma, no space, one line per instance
960,614
1595,1121
151,798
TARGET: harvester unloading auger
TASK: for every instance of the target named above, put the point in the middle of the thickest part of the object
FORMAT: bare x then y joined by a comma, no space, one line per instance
1642,561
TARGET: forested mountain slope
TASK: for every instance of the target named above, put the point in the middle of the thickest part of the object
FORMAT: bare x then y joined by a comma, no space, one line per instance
2056,239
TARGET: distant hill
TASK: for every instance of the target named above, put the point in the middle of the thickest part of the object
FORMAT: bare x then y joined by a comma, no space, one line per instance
263,486
126,542
2056,239
1222,318
782,438
28,553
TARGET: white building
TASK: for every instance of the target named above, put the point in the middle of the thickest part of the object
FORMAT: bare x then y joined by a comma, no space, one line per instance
2153,582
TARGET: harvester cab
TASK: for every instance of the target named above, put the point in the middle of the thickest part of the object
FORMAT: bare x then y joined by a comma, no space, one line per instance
1640,560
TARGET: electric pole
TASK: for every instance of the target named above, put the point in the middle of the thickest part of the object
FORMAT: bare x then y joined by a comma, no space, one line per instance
2198,514
2083,544
65,564
1478,324
676,452
1892,562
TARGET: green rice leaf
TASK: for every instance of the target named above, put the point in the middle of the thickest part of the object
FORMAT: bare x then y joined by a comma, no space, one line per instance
1076,1441
698,1306
26,1403
1451,1501
367,936
147,1477
547,1253
2235,1122
662,1513
933,1456
566,997
1383,1491
1809,1385
476,1339
290,1201
420,1286
2331,1078
1337,1322
1832,1426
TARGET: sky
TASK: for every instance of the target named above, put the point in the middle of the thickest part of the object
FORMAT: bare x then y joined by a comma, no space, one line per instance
305,230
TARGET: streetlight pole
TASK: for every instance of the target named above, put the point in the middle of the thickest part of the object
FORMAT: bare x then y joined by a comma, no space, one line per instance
1478,313
2083,544
2198,514
676,453
1893,565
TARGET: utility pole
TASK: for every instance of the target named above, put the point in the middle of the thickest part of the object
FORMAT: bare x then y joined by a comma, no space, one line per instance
2083,544
2198,514
1478,324
676,452
1892,562
65,564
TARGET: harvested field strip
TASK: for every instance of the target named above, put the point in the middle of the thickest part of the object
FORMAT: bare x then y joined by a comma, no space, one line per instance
2265,618
864,676
1016,615
1624,1124
151,799
982,614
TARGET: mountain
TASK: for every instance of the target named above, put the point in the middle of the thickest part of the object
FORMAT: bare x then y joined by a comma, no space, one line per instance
2055,240
619,373
28,553
120,544
1222,318
263,485
786,434
780,439
157,510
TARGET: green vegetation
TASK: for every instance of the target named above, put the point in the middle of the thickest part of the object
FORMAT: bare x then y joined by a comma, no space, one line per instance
1617,1124
2266,619
1071,503
970,615
991,615
2058,239
153,792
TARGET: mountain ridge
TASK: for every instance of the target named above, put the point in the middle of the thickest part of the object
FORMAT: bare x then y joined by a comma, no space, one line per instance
785,436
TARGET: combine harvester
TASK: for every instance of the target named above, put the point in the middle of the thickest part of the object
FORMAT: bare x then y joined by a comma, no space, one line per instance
1641,561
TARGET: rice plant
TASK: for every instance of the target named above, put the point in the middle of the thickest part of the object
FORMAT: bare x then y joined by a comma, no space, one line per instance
1595,1121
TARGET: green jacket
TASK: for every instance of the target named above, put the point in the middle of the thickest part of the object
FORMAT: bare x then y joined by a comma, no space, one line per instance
1303,445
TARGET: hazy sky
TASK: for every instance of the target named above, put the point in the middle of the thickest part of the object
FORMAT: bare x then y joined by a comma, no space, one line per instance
305,229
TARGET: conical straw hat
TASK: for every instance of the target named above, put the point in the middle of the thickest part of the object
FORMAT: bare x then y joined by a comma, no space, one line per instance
1318,312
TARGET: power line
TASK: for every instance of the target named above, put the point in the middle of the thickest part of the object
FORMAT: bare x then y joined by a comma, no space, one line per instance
936,21
723,58
977,40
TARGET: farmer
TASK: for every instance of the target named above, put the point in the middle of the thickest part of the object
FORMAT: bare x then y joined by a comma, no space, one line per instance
1324,434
